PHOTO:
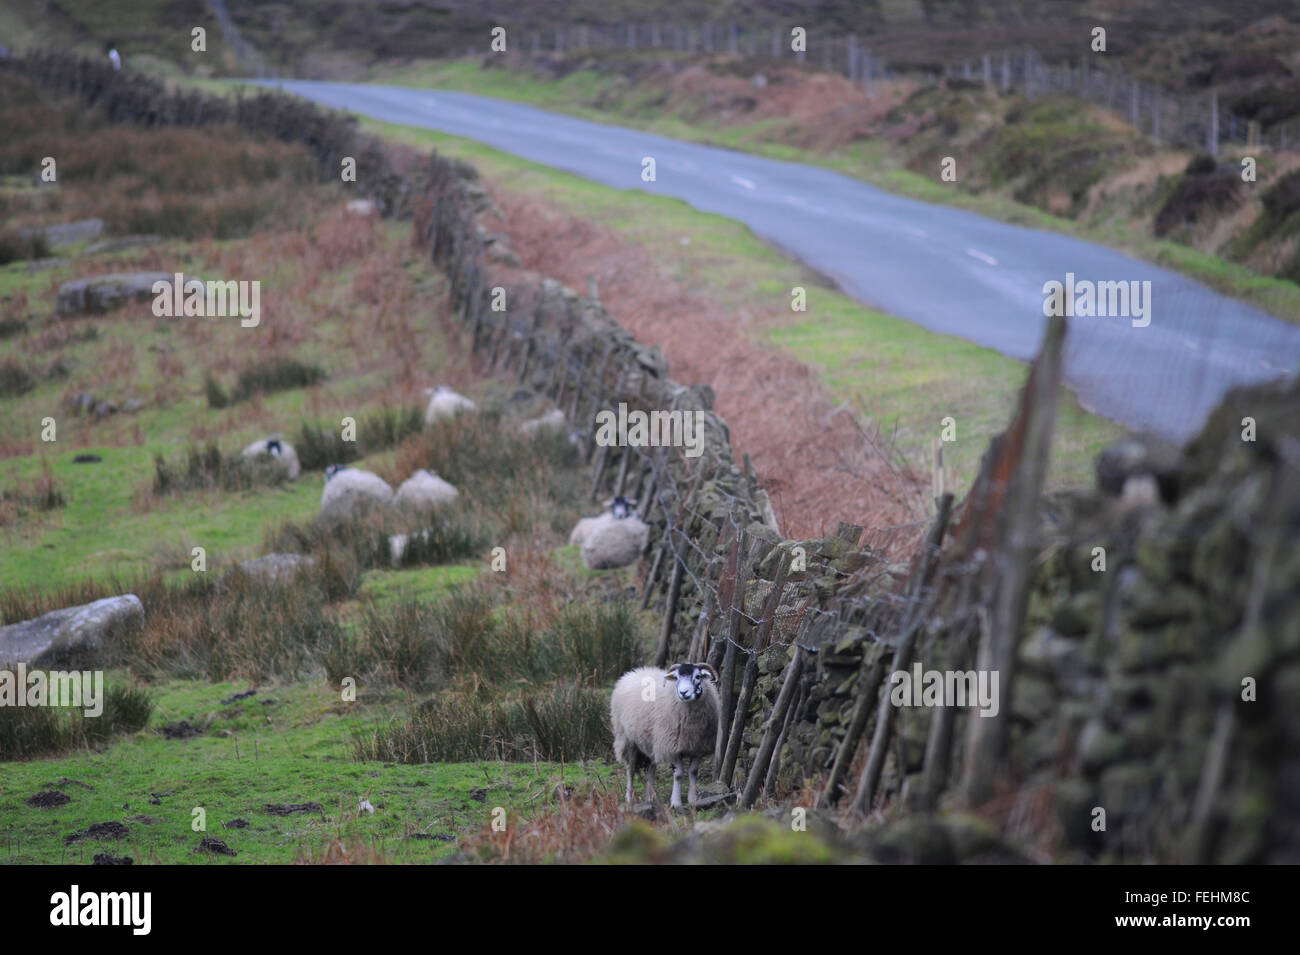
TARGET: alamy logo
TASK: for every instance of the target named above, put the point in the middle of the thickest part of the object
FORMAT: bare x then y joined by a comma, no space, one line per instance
1088,299
196,298
84,689
946,688
103,908
651,429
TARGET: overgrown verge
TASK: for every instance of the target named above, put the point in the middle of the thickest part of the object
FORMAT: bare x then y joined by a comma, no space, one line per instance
27,732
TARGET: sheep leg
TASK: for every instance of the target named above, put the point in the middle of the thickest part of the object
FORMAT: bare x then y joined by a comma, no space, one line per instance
650,782
678,773
692,795
630,763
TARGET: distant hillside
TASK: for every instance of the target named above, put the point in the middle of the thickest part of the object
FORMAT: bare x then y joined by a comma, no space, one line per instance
1182,43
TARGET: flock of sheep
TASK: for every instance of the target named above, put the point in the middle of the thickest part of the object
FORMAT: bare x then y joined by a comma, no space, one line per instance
651,724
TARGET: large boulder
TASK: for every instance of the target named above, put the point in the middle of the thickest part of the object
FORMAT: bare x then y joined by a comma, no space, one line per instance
66,234
276,568
67,636
103,293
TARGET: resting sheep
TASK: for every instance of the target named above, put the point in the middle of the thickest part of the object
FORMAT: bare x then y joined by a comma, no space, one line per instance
282,451
654,725
445,403
610,540
350,493
424,490
553,422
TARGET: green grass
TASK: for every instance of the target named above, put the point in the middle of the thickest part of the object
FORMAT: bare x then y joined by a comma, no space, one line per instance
286,744
902,376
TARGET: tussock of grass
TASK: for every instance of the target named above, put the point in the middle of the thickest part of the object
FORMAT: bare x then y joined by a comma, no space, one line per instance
510,690
30,731
561,721
207,469
42,493
15,379
320,445
240,627
275,374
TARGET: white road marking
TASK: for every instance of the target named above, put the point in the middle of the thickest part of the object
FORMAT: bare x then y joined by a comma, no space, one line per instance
738,180
986,259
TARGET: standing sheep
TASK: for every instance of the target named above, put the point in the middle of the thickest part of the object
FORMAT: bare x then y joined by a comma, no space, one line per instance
350,494
281,450
424,490
652,726
445,403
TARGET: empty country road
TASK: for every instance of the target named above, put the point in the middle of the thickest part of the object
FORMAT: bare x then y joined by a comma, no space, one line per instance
949,270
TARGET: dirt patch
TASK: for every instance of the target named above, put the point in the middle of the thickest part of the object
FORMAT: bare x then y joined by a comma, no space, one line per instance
237,697
104,858
812,455
214,846
292,808
47,799
99,831
182,730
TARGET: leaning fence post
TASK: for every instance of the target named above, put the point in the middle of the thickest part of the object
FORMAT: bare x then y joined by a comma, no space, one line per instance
756,647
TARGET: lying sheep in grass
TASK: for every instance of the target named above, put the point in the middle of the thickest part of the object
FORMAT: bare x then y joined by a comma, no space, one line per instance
616,538
553,422
655,725
350,494
619,509
423,491
281,451
445,403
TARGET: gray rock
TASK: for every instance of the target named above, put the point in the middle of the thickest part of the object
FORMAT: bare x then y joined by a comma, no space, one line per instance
122,242
67,634
276,568
65,234
102,293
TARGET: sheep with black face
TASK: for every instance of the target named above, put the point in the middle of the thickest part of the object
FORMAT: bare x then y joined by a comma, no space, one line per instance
665,716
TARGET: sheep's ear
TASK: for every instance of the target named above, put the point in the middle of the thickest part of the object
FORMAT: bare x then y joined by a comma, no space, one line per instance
607,503
671,674
713,674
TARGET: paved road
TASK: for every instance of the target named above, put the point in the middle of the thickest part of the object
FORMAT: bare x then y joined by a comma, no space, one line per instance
945,269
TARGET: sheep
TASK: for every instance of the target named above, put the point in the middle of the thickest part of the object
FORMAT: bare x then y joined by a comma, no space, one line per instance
424,490
279,449
619,509
551,422
616,538
445,403
652,726
350,493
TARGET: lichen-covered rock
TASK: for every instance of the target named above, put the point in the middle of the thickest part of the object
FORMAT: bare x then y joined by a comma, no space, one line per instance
70,636
103,293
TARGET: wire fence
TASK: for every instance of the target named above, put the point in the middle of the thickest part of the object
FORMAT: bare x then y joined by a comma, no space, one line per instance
1167,116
